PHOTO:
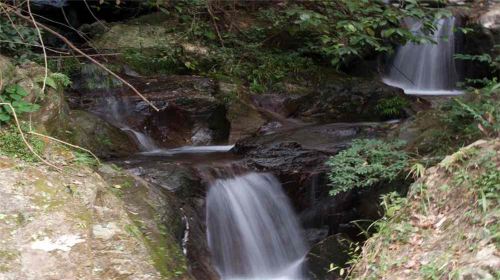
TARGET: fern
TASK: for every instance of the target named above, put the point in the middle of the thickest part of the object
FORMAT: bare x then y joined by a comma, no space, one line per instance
366,163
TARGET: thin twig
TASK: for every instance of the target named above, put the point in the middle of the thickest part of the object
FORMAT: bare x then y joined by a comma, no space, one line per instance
46,74
46,64
66,143
90,10
77,55
18,125
76,49
214,22
33,45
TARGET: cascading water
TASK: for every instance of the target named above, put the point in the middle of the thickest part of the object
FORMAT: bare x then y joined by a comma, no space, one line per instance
252,230
426,69
115,111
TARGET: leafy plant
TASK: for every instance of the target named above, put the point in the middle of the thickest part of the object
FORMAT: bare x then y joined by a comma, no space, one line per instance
366,163
17,39
392,107
14,95
475,114
84,158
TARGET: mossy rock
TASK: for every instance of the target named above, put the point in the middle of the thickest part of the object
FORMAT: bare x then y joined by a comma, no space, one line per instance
91,132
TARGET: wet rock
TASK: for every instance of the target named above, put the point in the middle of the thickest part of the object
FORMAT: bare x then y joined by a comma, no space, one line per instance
187,105
158,216
351,99
297,156
181,207
243,115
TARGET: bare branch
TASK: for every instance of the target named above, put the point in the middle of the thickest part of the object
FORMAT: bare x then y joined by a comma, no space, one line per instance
76,49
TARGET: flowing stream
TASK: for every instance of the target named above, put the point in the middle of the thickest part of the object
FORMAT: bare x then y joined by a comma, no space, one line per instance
115,110
252,230
426,69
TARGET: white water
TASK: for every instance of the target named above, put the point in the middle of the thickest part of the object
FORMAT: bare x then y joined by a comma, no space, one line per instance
189,150
252,230
115,110
426,69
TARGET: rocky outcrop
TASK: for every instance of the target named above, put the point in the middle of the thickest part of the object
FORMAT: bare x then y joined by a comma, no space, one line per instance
66,225
180,208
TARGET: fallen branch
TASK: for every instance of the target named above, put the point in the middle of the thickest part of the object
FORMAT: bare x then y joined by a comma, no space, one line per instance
76,49
68,144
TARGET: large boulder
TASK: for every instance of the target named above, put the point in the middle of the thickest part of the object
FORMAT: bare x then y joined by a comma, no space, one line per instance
342,98
91,132
30,76
55,118
66,225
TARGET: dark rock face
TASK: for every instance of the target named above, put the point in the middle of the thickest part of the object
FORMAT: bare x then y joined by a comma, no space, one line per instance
297,155
332,250
189,112
350,99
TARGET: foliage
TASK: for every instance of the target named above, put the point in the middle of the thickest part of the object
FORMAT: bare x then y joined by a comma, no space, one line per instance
17,39
167,60
84,158
283,43
58,80
263,69
11,144
449,217
392,107
14,95
492,63
342,29
475,114
366,163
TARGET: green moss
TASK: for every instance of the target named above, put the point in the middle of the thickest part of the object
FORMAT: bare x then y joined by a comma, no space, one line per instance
46,196
12,145
163,250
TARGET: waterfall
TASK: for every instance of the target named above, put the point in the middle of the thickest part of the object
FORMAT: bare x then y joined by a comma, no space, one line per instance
426,69
252,230
115,110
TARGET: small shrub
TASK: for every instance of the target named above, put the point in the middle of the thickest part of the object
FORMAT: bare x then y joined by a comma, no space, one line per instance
366,163
392,107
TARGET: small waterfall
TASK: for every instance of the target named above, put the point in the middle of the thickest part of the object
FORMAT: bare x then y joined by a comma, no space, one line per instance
115,110
426,69
252,230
